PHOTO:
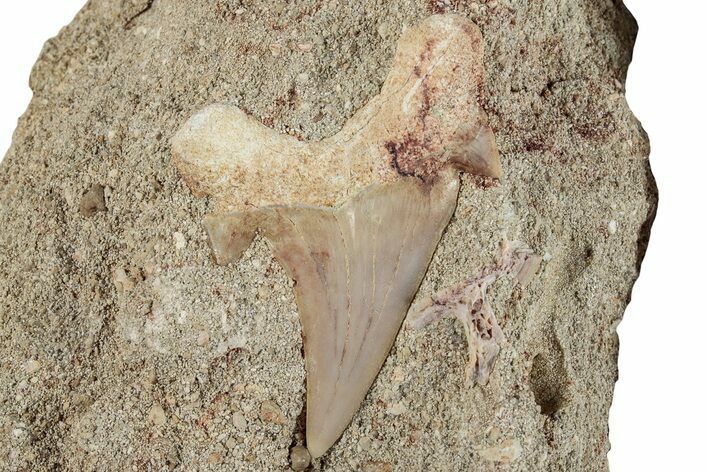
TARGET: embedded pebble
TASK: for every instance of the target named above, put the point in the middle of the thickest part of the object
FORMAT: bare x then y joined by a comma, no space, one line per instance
612,227
264,292
364,444
494,433
32,367
276,50
122,281
383,30
180,241
239,421
156,415
405,353
271,413
231,443
397,409
299,458
214,458
509,451
150,378
203,338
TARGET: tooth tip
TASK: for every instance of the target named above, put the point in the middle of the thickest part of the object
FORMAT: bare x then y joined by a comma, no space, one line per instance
321,436
326,424
317,447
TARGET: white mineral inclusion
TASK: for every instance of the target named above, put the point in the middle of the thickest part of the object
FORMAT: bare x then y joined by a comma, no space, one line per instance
355,218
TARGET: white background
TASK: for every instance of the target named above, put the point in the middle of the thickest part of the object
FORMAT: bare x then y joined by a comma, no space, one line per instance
659,417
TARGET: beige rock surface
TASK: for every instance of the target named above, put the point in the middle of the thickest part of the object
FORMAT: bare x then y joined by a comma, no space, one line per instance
103,317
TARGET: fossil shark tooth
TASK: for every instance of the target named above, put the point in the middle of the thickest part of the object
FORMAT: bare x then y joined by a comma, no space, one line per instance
355,218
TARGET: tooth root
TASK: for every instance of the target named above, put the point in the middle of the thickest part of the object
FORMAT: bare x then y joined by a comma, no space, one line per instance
357,270
425,119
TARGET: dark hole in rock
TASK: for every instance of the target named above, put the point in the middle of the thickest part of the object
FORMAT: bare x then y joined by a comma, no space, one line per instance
549,382
92,201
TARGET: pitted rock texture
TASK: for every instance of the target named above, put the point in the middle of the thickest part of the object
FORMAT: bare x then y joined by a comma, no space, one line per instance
124,347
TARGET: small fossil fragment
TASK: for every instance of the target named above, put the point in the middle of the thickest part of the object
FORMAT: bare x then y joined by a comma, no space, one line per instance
467,301
353,219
